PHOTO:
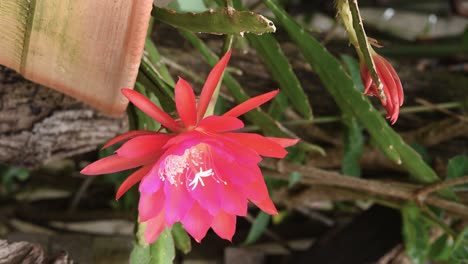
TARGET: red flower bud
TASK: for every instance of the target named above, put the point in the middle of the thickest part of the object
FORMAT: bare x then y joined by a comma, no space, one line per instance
392,88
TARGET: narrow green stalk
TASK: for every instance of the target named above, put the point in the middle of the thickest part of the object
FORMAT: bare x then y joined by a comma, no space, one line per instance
352,21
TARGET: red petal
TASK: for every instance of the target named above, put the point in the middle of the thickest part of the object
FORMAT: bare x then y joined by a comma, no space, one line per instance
113,164
266,206
178,202
150,205
387,79
366,79
149,145
185,103
132,180
154,227
224,225
152,110
257,193
197,221
260,144
210,85
396,78
250,104
284,142
128,135
218,124
233,201
207,195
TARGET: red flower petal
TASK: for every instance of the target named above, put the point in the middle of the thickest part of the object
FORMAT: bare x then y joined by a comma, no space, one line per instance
366,79
210,85
250,104
197,221
152,110
284,142
178,202
149,145
396,78
218,124
260,144
266,206
132,180
256,190
150,205
185,103
224,225
233,201
154,227
128,135
207,195
113,164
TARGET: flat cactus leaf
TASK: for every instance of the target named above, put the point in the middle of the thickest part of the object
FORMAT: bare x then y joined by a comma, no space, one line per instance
218,21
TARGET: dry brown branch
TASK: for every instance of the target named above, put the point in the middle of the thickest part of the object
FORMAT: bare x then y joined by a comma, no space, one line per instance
376,188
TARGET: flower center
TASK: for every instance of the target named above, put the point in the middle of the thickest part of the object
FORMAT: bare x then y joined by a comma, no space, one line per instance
193,167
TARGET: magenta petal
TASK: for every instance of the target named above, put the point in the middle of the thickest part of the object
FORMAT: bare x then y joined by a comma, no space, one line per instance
152,110
237,171
184,137
185,103
218,124
260,144
128,135
197,221
210,85
233,201
150,205
149,145
224,225
113,164
152,182
154,227
250,104
178,202
208,194
132,180
256,191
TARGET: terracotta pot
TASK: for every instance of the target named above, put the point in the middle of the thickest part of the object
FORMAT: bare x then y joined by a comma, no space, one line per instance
88,49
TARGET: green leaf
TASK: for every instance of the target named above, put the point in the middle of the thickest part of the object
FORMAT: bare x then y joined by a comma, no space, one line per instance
140,254
220,21
162,251
294,178
155,59
422,151
353,147
458,167
415,234
460,248
9,174
281,71
181,238
352,65
352,102
441,249
259,226
154,83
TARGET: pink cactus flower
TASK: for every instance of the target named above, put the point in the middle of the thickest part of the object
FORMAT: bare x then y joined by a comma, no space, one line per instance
202,173
391,86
